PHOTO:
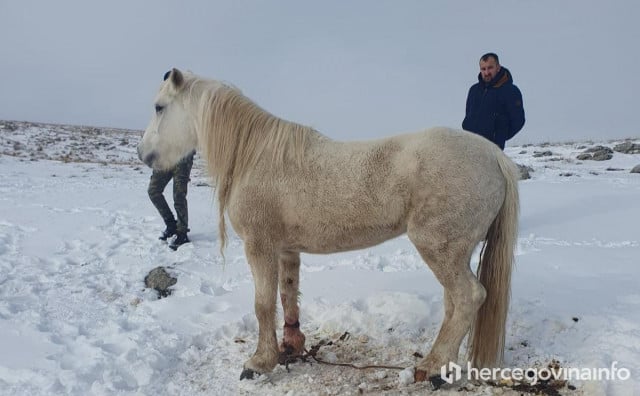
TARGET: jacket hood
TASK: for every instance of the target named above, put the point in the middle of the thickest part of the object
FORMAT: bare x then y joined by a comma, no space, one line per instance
503,77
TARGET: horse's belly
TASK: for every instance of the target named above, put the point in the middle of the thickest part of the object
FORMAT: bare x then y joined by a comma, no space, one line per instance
333,240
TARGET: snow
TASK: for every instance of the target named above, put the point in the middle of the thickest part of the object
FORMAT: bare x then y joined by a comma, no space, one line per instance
78,234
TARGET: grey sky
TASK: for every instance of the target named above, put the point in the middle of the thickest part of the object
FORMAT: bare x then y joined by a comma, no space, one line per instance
351,69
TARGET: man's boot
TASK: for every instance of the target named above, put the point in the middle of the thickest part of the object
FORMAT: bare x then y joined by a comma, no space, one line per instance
167,233
180,239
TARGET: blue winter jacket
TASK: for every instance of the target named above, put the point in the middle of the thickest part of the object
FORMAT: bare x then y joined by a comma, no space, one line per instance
494,109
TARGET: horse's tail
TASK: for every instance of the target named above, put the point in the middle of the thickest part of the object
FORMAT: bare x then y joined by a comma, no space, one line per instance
486,342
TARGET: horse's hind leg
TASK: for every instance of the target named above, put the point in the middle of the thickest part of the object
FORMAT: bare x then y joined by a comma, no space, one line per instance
263,260
289,273
463,295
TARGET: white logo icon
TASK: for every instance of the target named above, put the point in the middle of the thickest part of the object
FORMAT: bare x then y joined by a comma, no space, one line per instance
450,372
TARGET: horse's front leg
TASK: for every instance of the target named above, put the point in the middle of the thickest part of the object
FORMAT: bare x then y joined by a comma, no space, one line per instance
264,266
293,339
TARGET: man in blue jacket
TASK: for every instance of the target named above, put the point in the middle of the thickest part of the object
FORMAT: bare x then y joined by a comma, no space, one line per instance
494,104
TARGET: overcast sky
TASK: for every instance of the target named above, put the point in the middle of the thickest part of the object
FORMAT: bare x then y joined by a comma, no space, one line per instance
351,69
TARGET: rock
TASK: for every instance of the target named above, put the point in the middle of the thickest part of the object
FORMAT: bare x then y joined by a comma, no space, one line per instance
160,280
584,156
636,169
599,149
537,154
627,148
596,153
525,171
602,156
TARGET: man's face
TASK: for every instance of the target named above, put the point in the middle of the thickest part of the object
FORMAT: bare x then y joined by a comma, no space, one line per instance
489,69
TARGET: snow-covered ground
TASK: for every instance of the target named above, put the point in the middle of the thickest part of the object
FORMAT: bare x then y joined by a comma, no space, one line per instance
78,234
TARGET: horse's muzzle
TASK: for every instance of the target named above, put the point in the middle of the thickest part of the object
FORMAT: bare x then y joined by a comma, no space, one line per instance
149,159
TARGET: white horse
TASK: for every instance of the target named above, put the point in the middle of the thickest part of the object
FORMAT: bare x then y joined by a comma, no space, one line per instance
288,189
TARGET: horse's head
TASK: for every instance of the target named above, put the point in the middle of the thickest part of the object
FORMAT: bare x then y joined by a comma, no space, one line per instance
171,133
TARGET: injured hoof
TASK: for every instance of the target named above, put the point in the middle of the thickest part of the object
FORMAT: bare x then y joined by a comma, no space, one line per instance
247,374
419,376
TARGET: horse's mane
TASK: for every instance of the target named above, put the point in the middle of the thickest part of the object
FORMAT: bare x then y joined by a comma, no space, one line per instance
234,134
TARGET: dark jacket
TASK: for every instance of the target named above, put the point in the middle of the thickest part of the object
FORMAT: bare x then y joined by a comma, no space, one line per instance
494,109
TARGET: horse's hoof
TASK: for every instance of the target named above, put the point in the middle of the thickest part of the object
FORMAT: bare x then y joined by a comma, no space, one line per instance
247,374
436,382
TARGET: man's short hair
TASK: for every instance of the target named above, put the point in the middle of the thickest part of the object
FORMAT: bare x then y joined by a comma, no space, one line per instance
488,55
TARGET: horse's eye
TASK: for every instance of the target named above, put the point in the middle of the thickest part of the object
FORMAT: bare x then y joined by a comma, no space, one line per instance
159,109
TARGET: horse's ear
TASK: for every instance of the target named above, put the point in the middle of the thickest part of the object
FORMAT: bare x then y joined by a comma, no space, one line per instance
176,77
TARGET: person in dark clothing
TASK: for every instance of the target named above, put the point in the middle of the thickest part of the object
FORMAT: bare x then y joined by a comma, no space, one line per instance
494,104
159,180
